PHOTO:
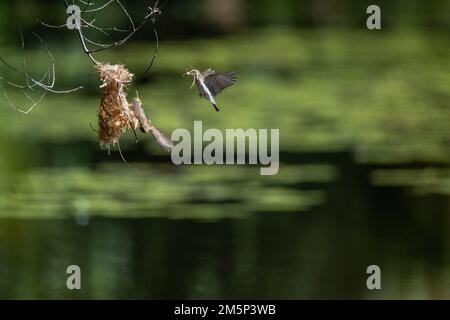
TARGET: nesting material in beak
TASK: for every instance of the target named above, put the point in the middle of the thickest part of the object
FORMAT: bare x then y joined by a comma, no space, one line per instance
188,72
192,85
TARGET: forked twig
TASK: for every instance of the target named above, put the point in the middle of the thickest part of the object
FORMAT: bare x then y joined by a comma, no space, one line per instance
97,46
31,84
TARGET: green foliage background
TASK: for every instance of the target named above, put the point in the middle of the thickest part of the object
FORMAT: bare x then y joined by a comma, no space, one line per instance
364,124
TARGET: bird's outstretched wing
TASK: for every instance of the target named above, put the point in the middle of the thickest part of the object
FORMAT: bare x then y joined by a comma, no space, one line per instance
216,82
208,72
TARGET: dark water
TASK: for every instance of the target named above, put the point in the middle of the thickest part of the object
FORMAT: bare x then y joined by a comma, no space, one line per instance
364,176
319,250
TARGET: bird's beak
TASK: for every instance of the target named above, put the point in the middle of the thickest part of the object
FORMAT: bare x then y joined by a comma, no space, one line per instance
188,71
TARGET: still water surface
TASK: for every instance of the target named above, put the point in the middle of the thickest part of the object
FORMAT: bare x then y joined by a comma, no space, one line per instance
316,242
364,176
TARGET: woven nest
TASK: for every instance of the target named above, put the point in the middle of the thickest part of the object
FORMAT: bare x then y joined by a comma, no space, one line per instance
115,115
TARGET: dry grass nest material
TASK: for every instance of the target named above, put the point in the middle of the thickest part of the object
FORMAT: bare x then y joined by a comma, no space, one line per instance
115,115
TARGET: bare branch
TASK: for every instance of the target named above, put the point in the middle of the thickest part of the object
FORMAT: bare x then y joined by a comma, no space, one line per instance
95,43
52,26
46,83
100,47
31,84
100,8
81,37
147,127
127,14
154,54
19,109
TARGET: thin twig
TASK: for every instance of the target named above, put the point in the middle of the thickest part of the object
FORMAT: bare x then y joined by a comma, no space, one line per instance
11,105
154,54
37,86
123,158
81,37
100,8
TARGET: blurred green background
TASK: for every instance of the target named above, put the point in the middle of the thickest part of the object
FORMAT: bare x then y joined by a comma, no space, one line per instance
364,149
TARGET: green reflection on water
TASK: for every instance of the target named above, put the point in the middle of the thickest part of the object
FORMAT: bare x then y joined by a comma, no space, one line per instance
308,232
200,192
422,181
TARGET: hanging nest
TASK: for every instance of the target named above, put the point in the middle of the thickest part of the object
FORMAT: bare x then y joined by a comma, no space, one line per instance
115,115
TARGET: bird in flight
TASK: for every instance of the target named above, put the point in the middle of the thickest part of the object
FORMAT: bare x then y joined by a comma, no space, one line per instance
210,83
